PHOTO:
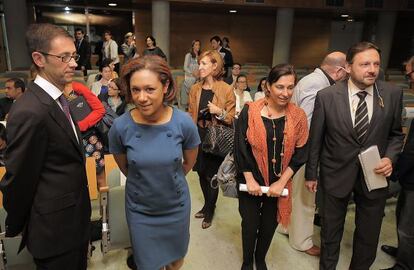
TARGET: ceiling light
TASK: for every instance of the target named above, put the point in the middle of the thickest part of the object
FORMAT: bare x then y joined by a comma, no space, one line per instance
344,15
112,4
67,8
350,20
233,11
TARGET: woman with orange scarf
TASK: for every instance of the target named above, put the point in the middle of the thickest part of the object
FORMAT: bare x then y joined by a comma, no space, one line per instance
269,147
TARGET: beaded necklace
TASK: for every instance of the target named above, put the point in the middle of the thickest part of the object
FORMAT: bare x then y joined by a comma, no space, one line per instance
269,114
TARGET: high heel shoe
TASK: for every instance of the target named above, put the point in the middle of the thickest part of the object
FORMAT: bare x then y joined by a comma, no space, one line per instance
207,221
200,214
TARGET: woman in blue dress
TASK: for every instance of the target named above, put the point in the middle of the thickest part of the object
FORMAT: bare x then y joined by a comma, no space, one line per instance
155,145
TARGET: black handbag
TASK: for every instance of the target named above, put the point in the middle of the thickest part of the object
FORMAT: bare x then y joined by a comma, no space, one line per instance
219,140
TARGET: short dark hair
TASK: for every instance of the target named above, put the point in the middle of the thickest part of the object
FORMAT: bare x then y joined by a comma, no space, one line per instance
79,30
153,40
216,38
241,76
237,64
39,36
18,83
259,87
105,63
107,32
118,83
153,63
358,48
279,71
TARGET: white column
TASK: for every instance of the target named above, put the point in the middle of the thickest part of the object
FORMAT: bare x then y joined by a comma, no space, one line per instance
385,33
283,34
161,25
15,13
88,30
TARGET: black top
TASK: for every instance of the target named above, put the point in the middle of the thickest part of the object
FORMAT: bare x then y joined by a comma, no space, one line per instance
243,155
203,112
155,51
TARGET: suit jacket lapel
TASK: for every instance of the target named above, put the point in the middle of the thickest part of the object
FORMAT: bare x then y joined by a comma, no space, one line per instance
344,106
57,115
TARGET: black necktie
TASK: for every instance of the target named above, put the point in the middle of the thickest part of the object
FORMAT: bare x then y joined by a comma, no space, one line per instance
65,106
361,116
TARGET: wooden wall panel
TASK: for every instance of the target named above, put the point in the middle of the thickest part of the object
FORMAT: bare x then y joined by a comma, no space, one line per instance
310,41
251,36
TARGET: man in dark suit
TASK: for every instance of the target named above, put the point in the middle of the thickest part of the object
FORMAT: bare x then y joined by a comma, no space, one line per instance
83,49
14,89
45,188
216,44
235,72
349,117
405,205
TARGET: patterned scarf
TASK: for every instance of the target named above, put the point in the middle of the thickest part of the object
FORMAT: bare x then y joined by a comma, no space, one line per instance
296,135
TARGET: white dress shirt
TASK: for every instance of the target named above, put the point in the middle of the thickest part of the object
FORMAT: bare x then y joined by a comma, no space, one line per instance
55,93
354,99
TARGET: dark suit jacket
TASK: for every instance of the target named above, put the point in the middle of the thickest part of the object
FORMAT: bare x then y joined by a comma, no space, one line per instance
228,80
404,170
84,52
333,141
45,188
5,105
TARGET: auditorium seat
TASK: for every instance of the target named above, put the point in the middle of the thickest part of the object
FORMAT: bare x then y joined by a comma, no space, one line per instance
115,233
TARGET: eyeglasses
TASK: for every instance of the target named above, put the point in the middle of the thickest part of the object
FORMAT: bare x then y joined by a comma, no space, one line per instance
341,67
64,58
408,75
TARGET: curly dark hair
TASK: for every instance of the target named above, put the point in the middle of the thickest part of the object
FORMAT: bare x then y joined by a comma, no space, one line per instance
153,63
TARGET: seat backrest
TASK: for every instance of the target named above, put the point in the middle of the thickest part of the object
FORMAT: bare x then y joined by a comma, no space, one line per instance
91,175
119,236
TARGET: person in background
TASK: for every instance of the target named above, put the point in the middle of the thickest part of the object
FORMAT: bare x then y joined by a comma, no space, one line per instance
191,72
83,49
114,98
235,72
226,43
241,93
331,70
101,86
216,44
211,102
15,88
269,147
152,48
92,144
110,50
155,146
129,48
261,87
